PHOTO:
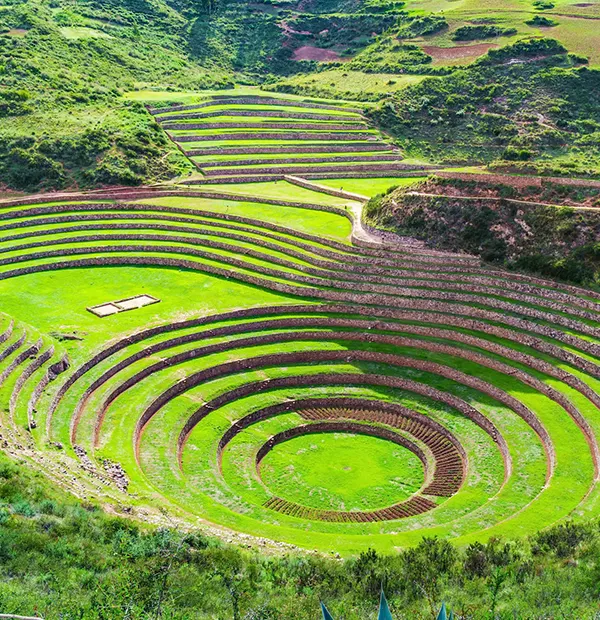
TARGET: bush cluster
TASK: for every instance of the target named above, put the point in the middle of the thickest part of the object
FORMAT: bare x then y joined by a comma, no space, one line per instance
128,148
63,559
424,25
541,21
481,31
527,102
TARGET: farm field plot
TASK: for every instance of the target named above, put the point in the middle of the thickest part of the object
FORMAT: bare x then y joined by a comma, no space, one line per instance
290,383
239,137
575,26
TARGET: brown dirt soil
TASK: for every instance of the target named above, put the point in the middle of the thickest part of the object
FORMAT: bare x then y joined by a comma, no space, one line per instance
309,52
459,51
6,192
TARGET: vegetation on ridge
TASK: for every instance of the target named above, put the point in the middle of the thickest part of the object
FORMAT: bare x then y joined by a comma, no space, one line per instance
531,227
530,102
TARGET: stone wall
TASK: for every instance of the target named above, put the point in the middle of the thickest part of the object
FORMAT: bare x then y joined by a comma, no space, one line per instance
340,193
284,135
297,160
297,148
255,113
10,349
7,333
355,169
266,126
253,101
35,365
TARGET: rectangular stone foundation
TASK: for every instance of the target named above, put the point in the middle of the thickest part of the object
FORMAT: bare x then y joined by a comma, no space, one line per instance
122,305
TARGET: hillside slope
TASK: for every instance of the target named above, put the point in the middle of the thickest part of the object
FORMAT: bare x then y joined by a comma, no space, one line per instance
65,124
529,102
540,226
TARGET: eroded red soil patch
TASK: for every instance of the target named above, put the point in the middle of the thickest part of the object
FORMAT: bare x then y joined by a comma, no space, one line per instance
459,51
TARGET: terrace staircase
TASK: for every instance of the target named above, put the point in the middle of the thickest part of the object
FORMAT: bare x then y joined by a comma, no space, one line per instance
266,138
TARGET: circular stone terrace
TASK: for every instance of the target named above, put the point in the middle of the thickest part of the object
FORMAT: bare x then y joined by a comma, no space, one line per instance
289,384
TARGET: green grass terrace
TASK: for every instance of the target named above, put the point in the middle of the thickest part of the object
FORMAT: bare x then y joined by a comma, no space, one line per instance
253,137
289,383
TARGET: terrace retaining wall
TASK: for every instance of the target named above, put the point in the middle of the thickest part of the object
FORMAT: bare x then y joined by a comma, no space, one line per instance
520,180
284,135
321,379
35,365
355,169
254,101
445,371
367,174
297,160
257,113
234,180
408,315
331,295
19,359
298,148
266,125
10,349
7,333
158,194
340,193
426,289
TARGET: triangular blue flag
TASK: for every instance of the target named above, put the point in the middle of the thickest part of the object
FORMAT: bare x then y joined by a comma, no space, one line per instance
384,609
326,614
443,615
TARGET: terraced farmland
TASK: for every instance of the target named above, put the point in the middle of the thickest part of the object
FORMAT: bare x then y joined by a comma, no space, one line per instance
289,383
245,138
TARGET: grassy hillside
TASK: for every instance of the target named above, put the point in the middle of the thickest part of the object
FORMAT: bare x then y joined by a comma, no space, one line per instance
530,105
60,558
65,124
492,24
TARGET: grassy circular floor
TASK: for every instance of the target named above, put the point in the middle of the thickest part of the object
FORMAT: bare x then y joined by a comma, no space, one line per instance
342,471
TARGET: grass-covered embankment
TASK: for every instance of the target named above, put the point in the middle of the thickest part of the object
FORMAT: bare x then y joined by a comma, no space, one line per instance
529,105
537,225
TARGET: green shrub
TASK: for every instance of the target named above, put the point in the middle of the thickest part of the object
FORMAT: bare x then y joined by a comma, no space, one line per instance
15,102
382,6
427,565
563,540
542,5
541,21
421,26
513,153
26,169
24,508
484,31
